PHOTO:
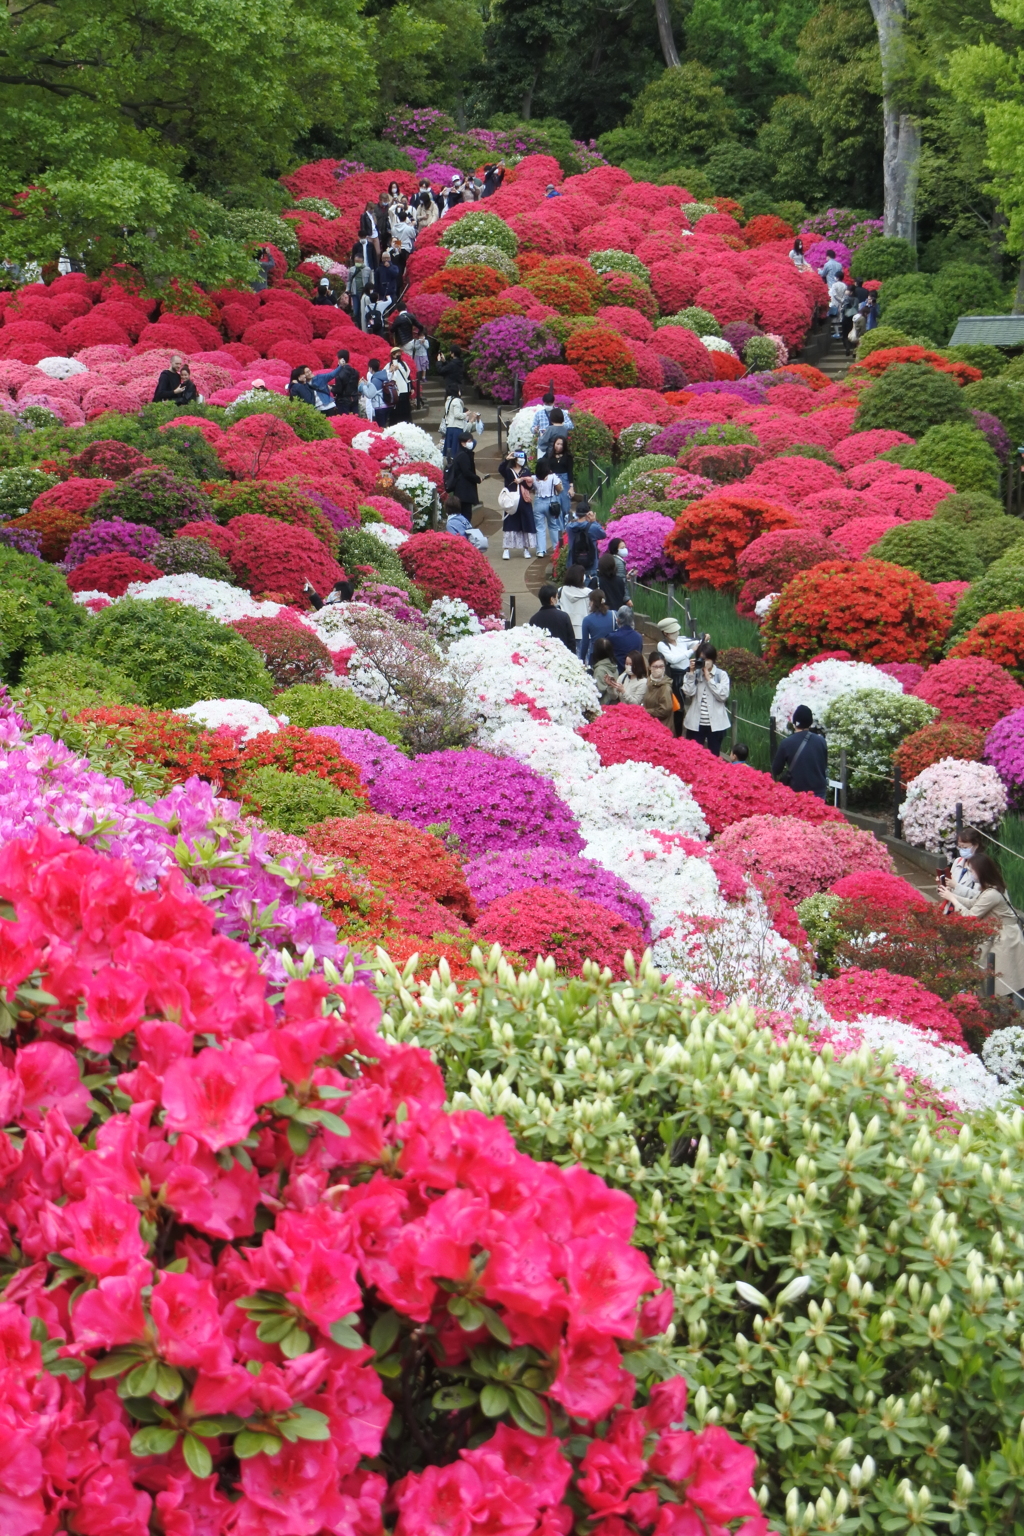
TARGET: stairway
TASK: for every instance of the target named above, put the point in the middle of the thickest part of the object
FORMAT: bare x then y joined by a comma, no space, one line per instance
834,361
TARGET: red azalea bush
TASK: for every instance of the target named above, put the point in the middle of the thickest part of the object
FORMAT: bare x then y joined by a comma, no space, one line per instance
772,559
879,362
943,738
75,495
567,283
544,920
108,459
558,376
474,281
710,534
793,479
765,228
685,348
215,1364
725,463
674,280
801,860
398,856
628,322
112,574
458,324
855,538
601,357
624,288
907,494
998,637
863,446
876,611
280,502
971,690
290,653
892,996
269,556
827,511
223,540
443,565
725,366
883,889
294,750
725,792
178,746
56,525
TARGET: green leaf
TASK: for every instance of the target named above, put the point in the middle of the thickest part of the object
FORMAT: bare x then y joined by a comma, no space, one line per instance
531,1405
330,1091
142,1380
154,1440
253,1442
385,1331
224,1424
495,1327
295,1343
344,1334
197,1457
311,1424
472,1317
276,1327
494,1400
113,1365
448,1398
298,1138
332,1122
169,1384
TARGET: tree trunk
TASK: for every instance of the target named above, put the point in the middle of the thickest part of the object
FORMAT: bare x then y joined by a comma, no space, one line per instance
665,37
1018,297
527,104
902,134
460,111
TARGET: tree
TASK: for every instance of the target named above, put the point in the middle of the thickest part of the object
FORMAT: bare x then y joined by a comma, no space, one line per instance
666,37
426,51
901,150
683,114
985,78
751,48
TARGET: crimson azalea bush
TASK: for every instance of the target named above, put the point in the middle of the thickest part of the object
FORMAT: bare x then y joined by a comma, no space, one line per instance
877,612
890,995
567,283
290,653
217,1362
708,537
274,557
267,499
540,920
112,574
943,738
883,889
475,281
999,638
497,874
56,526
78,495
108,458
970,690
772,559
443,565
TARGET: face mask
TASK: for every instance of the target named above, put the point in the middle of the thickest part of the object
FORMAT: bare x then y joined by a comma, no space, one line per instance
965,853
623,551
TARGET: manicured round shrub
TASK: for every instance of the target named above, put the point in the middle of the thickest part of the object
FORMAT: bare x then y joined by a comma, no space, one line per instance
294,750
503,351
443,565
281,502
498,874
943,738
110,459
277,559
920,315
70,682
76,495
371,754
883,256
966,509
772,559
175,654
112,574
192,557
971,690
290,653
936,551
1004,751
999,638
870,724
710,534
957,453
744,668
480,228
911,398
157,498
112,537
294,802
795,858
56,527
873,610
888,994
309,705
20,487
998,399
1000,589
601,357
38,615
399,857
540,921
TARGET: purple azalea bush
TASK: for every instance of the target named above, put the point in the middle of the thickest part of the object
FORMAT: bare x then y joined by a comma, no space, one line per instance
393,600
505,350
339,518
111,536
816,255
644,535
485,802
674,439
1004,751
672,376
996,433
372,754
841,225
495,874
25,540
738,332
747,390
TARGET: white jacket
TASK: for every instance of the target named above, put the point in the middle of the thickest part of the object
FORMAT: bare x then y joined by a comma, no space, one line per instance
575,601
677,655
695,687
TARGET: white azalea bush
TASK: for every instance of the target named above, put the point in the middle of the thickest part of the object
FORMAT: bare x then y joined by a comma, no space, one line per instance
820,683
969,1082
217,598
61,367
419,445
236,714
424,495
553,750
1003,1054
517,672
929,811
392,537
870,724
635,796
449,619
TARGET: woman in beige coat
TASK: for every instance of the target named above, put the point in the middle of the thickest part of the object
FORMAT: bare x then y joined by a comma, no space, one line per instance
657,698
987,902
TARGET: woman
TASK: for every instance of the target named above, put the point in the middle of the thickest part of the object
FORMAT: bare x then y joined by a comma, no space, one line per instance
185,391
657,699
633,678
547,513
300,385
797,257
462,479
369,239
605,673
558,461
598,625
574,599
417,350
610,582
706,687
961,875
454,422
401,378
518,528
617,549
425,212
988,903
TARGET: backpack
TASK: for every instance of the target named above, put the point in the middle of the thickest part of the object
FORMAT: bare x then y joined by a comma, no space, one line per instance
579,544
389,393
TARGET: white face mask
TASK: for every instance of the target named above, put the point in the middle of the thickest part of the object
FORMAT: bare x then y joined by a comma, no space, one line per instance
966,853
622,551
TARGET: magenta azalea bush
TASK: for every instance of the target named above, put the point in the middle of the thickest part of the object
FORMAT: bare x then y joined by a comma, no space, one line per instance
504,351
110,536
494,875
1004,751
644,535
483,802
372,754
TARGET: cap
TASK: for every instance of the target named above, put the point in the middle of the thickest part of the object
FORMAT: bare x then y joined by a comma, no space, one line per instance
668,626
257,384
802,716
625,614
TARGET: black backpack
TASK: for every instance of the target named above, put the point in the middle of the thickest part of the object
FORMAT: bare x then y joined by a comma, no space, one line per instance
579,545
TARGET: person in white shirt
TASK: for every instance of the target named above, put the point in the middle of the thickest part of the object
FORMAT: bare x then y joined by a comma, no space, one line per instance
706,688
677,650
547,509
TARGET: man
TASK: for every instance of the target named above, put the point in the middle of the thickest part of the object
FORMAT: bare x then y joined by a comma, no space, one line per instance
542,415
560,424
360,279
832,269
805,754
624,639
584,533
552,190
345,388
387,278
417,349
451,369
494,175
553,619
170,379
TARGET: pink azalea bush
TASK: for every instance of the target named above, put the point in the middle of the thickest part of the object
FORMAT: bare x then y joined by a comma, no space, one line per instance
498,874
889,995
971,690
644,535
796,858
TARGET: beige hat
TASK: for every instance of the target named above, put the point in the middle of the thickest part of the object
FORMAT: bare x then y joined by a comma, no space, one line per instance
257,384
668,626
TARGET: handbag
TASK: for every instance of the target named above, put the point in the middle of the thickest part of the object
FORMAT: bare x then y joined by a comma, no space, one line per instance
508,500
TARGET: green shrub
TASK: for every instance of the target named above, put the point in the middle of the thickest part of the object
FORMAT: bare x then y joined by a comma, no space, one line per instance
19,487
911,398
818,916
870,724
258,226
294,802
186,451
357,547
156,497
309,704
957,453
991,360
719,434
921,315
484,256
590,439
72,682
878,340
38,615
193,557
305,420
54,689
936,551
1001,399
480,228
701,321
176,654
964,288
964,510
883,256
919,284
760,354
999,589
758,1161
994,537
619,261
632,471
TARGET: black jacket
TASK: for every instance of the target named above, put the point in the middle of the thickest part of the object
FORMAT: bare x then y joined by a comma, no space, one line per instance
556,464
388,279
558,624
297,390
324,297
402,328
451,370
614,589
166,384
345,390
806,753
463,478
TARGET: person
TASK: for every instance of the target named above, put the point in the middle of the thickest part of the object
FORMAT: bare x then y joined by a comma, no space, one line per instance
494,175
368,236
551,190
574,599
657,699
451,369
325,296
417,349
871,311
847,315
315,388
459,524
805,754
342,592
559,425
739,754
454,196
462,480
610,582
961,875
618,551
370,396
796,255
547,511
518,529
345,387
265,262
455,420
606,672
554,619
398,373
625,640
405,234
169,380
300,385
387,278
425,210
632,678
838,294
401,329
585,533
707,687
541,416
558,461
988,903
832,269
598,625
360,281
676,653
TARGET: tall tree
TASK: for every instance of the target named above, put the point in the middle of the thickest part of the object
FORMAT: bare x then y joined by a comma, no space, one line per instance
666,36
901,131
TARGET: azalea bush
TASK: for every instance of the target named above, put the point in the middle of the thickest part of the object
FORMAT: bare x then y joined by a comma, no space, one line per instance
929,810
871,609
999,590
644,535
398,856
711,533
956,452
870,724
998,638
497,874
290,653
802,859
936,551
943,738
969,689
539,921
443,565
310,705
1004,750
504,351
156,497
112,574
772,559
910,398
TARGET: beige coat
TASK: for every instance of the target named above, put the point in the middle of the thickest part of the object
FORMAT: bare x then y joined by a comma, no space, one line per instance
1008,946
575,601
633,688
657,699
